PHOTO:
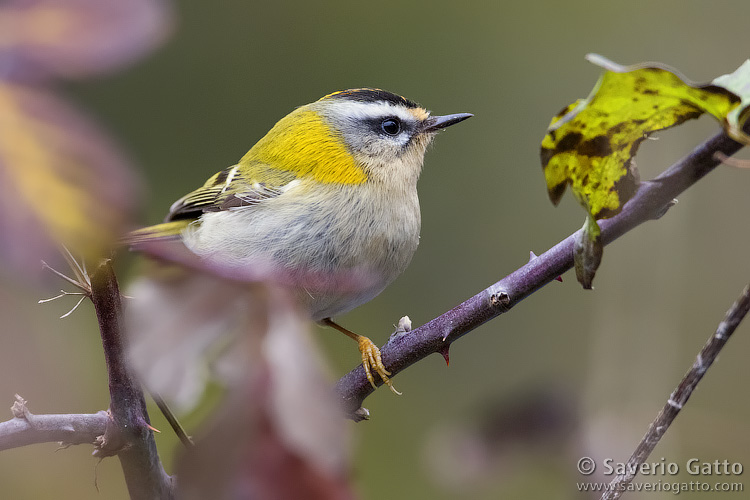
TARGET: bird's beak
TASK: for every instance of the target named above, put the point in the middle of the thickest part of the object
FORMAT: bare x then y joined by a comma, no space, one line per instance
435,123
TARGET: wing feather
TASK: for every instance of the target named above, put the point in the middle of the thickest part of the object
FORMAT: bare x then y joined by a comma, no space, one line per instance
231,188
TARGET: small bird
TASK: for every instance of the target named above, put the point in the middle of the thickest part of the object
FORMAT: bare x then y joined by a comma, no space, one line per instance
330,189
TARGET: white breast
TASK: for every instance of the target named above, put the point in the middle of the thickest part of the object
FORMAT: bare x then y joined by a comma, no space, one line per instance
348,238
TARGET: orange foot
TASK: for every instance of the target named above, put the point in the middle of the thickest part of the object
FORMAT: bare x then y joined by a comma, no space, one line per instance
372,361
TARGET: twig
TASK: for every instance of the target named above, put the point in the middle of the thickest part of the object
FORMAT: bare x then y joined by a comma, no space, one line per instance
125,430
82,284
131,439
650,202
174,422
25,428
680,395
79,269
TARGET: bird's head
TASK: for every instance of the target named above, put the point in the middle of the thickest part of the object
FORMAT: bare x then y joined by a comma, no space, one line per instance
352,137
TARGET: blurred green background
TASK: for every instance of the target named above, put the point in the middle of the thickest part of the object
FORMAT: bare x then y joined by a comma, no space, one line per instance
601,363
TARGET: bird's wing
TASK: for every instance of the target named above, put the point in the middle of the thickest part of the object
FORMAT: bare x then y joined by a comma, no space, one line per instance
231,188
226,190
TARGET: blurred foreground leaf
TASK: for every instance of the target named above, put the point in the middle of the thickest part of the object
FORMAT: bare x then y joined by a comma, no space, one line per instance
61,180
279,431
43,39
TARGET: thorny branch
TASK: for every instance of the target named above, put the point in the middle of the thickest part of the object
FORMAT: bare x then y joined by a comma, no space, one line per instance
680,396
650,202
25,428
131,438
125,429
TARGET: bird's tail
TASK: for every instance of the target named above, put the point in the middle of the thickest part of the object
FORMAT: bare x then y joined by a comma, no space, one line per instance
165,231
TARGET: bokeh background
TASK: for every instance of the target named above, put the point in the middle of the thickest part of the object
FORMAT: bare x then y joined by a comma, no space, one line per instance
568,373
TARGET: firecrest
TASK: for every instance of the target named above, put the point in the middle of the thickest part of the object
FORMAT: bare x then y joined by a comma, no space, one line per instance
331,189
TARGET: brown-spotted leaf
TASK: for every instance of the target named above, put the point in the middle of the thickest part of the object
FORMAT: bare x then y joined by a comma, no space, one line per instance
61,180
40,39
591,143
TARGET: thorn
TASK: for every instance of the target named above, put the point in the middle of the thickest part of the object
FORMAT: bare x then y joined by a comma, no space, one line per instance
446,355
533,256
662,212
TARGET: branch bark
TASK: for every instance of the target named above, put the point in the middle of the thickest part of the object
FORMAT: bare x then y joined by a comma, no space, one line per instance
131,438
125,429
25,428
650,202
680,395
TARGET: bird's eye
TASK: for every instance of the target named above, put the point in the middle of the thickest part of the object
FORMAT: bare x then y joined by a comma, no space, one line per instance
391,126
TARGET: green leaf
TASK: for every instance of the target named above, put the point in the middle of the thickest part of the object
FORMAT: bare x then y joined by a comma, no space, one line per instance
591,143
739,84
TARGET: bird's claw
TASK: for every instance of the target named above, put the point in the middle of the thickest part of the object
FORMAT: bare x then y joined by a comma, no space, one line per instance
372,361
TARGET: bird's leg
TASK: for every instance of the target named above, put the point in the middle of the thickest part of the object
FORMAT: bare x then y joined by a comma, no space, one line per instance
371,359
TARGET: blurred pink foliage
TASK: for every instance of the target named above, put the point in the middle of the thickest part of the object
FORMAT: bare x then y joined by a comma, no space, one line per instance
42,40
62,179
279,431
